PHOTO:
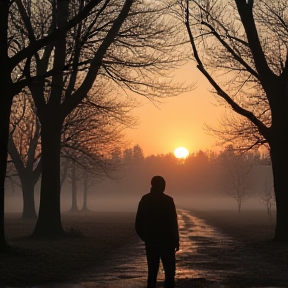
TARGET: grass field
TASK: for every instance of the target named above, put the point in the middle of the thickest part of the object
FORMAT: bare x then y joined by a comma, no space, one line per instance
254,228
32,262
248,225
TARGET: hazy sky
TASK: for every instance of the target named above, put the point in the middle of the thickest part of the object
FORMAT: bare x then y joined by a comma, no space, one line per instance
180,120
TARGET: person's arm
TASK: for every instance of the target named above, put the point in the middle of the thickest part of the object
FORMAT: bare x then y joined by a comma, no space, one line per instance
175,227
139,222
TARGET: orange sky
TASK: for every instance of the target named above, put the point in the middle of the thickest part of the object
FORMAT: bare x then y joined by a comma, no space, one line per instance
179,121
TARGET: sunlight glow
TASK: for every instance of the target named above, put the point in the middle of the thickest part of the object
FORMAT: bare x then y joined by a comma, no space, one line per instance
181,153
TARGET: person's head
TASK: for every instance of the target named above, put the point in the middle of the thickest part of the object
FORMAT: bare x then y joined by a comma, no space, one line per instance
158,183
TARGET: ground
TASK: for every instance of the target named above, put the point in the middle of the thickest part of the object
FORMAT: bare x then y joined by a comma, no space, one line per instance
33,261
254,228
96,235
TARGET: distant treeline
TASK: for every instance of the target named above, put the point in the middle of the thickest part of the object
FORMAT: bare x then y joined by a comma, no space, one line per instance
203,173
228,173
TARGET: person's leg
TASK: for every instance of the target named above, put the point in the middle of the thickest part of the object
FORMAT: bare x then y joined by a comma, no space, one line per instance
169,265
153,259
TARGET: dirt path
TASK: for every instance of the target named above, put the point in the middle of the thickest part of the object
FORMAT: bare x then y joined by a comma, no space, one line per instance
212,255
206,257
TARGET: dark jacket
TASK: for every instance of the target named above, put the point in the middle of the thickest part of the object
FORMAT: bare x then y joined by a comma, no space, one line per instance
156,220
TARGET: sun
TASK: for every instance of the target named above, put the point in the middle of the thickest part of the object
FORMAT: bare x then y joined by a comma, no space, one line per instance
181,152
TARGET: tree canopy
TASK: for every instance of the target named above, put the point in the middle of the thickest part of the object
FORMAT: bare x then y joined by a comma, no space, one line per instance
241,48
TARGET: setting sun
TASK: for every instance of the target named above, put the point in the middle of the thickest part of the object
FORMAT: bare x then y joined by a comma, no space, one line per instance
181,152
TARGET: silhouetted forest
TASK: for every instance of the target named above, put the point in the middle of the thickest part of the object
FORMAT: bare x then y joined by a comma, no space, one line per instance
201,174
227,174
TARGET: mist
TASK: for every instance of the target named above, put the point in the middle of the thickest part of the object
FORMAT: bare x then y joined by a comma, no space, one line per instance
198,183
113,202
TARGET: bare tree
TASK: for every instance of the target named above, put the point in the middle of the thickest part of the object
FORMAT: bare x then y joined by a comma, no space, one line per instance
12,177
90,134
86,178
267,194
24,149
11,56
47,95
237,179
89,180
241,48
268,197
114,42
74,179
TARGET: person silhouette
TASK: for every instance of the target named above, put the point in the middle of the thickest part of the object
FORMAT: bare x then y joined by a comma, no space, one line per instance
157,225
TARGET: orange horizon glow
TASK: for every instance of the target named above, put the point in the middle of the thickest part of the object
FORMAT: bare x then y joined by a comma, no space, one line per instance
178,121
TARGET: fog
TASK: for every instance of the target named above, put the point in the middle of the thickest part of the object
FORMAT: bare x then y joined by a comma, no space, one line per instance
203,181
99,199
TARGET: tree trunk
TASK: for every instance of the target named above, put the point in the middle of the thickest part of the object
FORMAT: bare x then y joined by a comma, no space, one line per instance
239,202
4,132
279,162
29,211
74,206
49,217
5,108
85,196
